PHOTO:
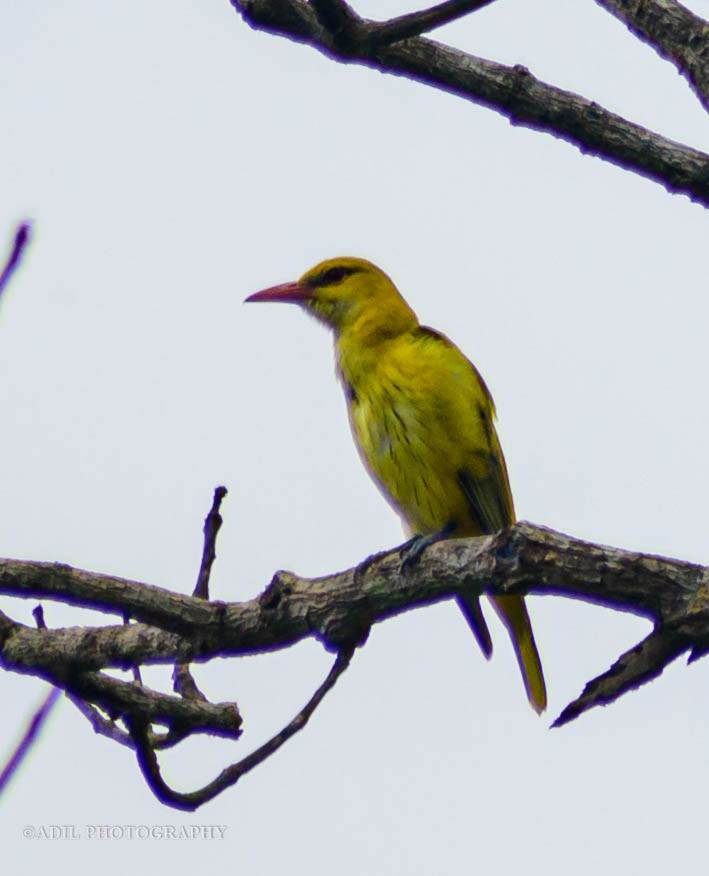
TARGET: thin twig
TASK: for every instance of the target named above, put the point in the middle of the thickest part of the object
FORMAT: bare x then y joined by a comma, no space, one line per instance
22,238
109,728
102,726
183,681
135,668
38,615
29,737
212,525
31,734
355,36
415,23
230,776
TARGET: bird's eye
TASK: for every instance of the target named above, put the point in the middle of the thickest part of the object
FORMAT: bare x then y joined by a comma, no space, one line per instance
334,275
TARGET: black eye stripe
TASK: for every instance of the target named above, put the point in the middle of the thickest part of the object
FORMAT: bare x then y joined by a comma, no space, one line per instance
332,275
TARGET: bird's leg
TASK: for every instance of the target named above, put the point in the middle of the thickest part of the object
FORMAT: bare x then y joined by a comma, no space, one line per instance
411,550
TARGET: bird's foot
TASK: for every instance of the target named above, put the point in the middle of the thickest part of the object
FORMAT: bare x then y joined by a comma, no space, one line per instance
410,552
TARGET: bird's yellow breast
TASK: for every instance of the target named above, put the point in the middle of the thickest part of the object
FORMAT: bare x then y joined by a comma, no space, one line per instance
418,412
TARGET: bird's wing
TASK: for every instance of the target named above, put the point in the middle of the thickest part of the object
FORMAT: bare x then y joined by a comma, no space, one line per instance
483,477
486,486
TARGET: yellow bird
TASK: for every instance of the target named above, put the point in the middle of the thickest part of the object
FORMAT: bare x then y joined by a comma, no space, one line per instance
422,418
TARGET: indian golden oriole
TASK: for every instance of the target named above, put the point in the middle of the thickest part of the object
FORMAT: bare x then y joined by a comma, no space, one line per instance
422,418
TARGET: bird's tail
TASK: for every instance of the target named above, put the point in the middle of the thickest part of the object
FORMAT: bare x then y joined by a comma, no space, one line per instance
513,614
470,606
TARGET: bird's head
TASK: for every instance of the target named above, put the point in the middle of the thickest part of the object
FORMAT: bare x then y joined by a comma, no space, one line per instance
346,293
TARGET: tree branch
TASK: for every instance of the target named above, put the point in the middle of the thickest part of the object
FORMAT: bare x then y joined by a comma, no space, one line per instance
339,609
676,34
512,91
336,609
640,664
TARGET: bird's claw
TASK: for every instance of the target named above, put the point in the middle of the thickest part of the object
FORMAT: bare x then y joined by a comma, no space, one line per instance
410,552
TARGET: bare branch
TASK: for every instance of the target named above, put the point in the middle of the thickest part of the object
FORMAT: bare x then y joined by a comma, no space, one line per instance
339,609
512,91
546,562
125,700
190,714
640,664
521,559
109,728
116,595
230,776
22,238
117,698
676,34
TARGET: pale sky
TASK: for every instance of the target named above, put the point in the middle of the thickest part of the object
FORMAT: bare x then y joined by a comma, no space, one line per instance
174,161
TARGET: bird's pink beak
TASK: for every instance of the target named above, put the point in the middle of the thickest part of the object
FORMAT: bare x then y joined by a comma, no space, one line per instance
292,293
